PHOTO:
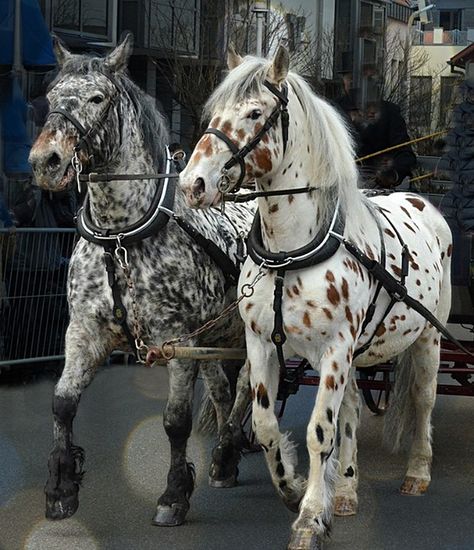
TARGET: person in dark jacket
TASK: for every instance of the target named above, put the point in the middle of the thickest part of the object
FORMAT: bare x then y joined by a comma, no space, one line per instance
381,126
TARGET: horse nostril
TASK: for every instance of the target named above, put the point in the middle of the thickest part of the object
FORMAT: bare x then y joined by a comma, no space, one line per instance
54,161
198,187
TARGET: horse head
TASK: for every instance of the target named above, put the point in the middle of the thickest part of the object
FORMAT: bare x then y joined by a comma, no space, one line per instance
83,127
239,111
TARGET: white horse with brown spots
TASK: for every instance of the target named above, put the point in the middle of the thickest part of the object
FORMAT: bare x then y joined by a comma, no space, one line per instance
325,306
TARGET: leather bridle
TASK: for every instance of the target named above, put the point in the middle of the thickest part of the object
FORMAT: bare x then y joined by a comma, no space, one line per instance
238,155
86,134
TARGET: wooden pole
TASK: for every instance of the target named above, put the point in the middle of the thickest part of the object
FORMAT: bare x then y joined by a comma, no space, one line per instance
156,355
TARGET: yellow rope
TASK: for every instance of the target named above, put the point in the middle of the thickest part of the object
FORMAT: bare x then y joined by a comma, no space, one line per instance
401,145
422,177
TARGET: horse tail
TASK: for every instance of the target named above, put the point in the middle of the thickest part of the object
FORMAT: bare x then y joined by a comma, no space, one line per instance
206,416
399,422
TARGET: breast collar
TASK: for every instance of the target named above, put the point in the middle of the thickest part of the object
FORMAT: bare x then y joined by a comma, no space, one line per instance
155,218
322,247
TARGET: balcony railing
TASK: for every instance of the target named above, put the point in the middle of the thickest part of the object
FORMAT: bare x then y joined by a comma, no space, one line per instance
443,38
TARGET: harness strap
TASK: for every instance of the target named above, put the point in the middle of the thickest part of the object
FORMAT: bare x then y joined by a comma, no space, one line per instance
398,291
278,335
118,309
227,266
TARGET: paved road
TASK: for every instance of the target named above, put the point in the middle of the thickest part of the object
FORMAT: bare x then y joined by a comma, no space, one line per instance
120,426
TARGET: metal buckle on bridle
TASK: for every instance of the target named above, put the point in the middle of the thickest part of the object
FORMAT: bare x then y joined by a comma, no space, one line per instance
224,185
77,167
121,253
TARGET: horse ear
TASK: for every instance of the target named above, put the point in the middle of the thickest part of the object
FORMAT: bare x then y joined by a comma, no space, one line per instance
117,59
233,58
280,65
60,50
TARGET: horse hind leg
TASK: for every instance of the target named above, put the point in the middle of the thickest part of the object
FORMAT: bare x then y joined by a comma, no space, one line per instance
226,455
173,504
345,501
66,459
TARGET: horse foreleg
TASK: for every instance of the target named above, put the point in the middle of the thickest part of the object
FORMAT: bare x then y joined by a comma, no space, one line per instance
315,514
346,441
66,459
173,504
280,453
223,471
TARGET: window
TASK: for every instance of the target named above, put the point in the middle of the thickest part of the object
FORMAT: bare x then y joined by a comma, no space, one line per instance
82,16
174,25
420,101
450,19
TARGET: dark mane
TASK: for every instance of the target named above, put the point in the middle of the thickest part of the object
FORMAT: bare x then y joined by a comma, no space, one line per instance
134,103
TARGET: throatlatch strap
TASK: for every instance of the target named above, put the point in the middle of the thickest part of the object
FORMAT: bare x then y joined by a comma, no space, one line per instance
278,335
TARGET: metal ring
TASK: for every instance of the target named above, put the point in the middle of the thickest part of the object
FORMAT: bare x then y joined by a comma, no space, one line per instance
168,355
247,290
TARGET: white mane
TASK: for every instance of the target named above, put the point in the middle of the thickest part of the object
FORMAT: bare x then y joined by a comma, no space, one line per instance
332,149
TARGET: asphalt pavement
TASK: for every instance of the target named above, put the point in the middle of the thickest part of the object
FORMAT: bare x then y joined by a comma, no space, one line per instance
119,424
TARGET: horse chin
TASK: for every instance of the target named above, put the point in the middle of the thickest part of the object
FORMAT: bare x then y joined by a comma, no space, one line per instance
61,184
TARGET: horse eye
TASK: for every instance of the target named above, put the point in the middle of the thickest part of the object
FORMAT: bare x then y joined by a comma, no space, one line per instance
96,99
255,114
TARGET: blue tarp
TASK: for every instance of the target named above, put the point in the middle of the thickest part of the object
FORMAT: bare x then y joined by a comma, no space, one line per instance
36,50
13,116
35,38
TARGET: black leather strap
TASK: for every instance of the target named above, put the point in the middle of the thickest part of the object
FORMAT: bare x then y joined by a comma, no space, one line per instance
118,309
229,269
316,255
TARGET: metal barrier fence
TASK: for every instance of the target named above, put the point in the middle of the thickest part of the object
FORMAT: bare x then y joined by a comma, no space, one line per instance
33,304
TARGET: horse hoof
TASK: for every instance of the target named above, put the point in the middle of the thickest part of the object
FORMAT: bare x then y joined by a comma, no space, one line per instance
305,539
223,483
414,486
170,516
61,508
345,506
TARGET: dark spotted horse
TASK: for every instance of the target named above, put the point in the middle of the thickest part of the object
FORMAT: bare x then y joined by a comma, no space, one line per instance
344,281
135,231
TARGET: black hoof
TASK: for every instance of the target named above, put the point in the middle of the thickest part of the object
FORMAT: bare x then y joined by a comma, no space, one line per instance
223,483
170,516
305,539
62,507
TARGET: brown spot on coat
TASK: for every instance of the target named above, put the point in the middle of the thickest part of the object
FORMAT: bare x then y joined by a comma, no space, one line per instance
335,366
409,227
330,276
248,306
396,270
330,382
273,208
310,303
306,319
333,295
345,289
450,250
262,396
349,315
255,328
389,232
327,312
381,329
417,203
